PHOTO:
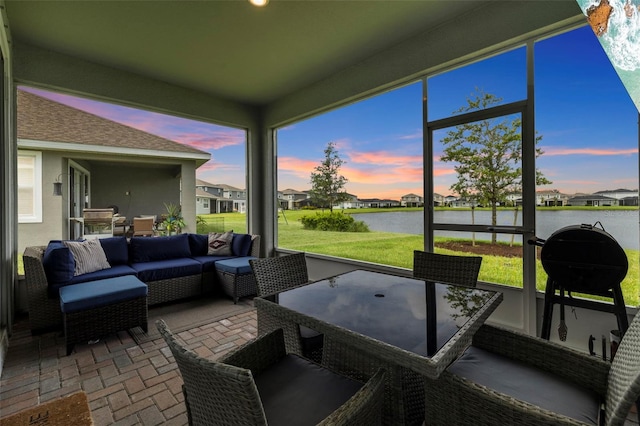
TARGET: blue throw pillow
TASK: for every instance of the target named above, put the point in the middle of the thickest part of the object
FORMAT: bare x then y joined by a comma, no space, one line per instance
149,249
116,249
241,244
58,263
198,244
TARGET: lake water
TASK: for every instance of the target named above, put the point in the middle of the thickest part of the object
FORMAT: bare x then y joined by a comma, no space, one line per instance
621,224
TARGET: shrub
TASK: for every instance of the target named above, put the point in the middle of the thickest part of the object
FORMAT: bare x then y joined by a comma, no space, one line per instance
333,221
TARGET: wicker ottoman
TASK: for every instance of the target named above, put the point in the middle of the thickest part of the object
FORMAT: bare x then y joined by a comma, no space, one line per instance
236,277
97,308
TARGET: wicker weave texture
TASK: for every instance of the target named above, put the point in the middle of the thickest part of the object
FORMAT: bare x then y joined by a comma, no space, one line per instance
224,392
44,313
455,400
174,289
237,285
445,268
79,327
276,274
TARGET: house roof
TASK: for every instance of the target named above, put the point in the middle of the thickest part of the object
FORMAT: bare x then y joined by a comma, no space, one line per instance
591,197
44,120
200,182
227,187
204,194
608,191
289,191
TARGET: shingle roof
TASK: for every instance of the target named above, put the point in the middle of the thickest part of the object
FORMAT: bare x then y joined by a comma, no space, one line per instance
42,119
204,194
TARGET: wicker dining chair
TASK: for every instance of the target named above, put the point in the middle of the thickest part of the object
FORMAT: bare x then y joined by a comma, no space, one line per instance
446,268
507,377
276,274
259,384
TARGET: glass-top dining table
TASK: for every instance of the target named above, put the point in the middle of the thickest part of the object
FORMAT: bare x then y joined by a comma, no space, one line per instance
410,327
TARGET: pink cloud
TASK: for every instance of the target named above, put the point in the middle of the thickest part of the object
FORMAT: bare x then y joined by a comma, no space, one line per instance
383,158
215,141
553,151
218,167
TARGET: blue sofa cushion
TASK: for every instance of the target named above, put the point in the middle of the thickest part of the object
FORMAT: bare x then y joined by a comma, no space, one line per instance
116,249
241,244
167,269
236,265
198,244
208,262
113,272
58,264
91,295
150,249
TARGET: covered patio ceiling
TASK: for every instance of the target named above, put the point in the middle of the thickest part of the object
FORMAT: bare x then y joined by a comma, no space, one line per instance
230,49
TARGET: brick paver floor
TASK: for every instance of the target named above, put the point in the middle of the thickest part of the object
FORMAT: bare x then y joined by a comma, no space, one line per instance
126,384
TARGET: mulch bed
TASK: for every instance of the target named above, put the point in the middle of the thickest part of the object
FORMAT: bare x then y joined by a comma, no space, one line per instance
483,248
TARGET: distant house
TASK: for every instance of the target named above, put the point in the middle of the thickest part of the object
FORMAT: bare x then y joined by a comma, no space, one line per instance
449,200
628,201
204,201
98,163
625,197
210,198
236,196
351,202
551,197
412,200
438,200
377,203
594,200
292,198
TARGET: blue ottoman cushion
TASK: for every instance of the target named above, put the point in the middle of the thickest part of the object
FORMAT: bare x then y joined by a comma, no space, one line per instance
93,294
113,272
237,265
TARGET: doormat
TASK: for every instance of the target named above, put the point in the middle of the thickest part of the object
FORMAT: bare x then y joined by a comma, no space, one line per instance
189,314
69,410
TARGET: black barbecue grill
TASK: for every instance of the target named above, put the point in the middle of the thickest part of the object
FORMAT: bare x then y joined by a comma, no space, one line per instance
582,259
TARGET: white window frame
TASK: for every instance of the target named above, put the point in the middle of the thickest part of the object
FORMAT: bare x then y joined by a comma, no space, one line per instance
36,216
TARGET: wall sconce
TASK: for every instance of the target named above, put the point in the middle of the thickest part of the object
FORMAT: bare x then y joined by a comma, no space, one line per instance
57,186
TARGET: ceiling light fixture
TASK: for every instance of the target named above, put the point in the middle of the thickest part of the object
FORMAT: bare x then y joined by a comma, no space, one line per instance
259,3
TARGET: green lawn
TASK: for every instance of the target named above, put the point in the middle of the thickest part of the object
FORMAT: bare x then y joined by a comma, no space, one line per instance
397,250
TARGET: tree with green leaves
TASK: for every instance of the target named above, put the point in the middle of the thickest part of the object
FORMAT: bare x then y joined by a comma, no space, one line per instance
327,185
488,156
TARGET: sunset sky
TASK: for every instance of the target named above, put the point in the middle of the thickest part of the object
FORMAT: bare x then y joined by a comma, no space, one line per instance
588,122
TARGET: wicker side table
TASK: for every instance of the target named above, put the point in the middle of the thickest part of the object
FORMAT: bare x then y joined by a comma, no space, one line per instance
94,309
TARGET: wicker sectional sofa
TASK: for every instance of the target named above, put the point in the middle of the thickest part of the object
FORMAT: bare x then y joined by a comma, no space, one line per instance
173,267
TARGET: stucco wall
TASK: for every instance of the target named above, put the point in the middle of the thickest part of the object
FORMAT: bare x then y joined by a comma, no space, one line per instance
147,188
52,227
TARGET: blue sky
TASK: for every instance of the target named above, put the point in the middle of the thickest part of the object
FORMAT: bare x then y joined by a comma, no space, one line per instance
588,123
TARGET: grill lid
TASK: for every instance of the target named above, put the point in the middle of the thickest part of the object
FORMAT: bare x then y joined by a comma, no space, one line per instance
584,258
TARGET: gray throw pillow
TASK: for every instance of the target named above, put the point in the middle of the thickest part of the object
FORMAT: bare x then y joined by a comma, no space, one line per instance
220,244
88,255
